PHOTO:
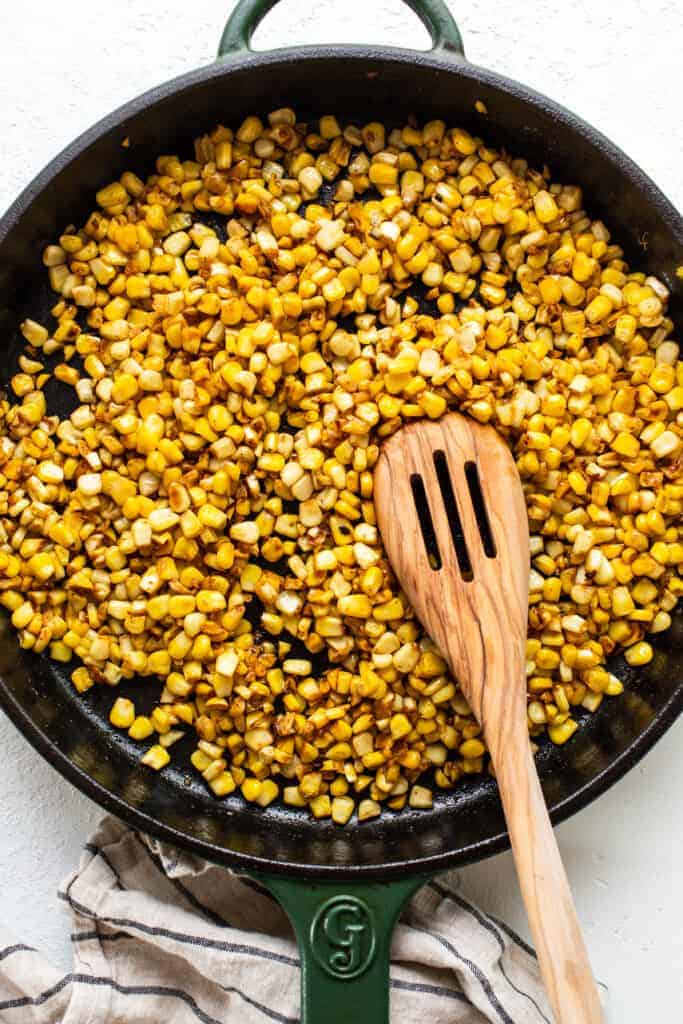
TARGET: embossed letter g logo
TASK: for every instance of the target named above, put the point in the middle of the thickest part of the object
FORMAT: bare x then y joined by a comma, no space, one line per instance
344,925
342,936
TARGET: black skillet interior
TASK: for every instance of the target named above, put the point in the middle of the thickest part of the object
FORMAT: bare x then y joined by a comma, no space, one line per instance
72,731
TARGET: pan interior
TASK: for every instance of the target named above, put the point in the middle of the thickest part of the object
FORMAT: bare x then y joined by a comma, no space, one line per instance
72,730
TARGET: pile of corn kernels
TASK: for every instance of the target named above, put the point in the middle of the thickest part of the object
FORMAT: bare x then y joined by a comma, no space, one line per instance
241,332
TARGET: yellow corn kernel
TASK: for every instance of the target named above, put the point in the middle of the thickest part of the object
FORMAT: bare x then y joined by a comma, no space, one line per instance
342,808
355,605
157,757
472,749
559,734
122,714
321,806
639,654
112,195
622,602
420,797
268,792
368,809
627,445
141,728
400,726
545,207
82,679
392,609
223,784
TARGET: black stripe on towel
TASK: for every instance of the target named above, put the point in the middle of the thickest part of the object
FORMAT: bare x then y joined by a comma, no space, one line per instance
192,940
14,1004
488,926
143,990
97,852
429,990
510,932
17,948
101,937
476,971
211,915
408,986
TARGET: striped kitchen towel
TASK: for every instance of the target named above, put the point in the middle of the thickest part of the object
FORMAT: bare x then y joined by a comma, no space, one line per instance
161,936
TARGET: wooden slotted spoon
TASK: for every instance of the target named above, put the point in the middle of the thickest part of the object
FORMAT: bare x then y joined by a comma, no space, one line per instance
453,519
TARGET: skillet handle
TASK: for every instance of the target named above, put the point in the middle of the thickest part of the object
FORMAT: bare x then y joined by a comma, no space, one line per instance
343,930
248,14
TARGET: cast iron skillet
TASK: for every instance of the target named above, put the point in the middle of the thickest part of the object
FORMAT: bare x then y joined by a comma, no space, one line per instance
333,882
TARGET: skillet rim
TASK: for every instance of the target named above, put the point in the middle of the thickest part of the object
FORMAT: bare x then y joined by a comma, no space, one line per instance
419,865
449,63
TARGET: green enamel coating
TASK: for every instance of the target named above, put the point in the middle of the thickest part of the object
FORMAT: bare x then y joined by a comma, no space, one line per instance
247,15
344,931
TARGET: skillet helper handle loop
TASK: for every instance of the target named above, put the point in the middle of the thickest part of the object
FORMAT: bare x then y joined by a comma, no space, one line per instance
343,930
562,957
248,14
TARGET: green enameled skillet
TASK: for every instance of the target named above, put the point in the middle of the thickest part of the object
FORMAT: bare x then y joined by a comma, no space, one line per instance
343,888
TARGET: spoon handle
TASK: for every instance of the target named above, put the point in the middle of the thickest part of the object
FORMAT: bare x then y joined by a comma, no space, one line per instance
552,916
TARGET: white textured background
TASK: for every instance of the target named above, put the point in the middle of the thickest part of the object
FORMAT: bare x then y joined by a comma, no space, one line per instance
62,66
